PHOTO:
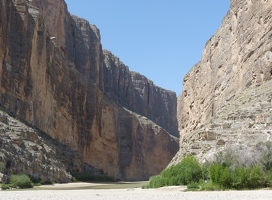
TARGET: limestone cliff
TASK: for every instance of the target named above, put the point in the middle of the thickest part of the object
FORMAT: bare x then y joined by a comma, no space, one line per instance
235,65
55,76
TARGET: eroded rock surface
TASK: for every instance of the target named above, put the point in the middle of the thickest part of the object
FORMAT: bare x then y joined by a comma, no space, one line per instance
24,149
216,106
55,76
245,122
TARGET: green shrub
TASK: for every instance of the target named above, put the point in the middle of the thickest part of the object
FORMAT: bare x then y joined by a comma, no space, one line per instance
21,181
249,178
240,178
5,187
269,178
256,178
217,176
215,172
225,181
187,171
156,182
221,175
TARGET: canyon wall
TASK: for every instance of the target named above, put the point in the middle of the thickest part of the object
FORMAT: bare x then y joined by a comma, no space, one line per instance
55,77
219,103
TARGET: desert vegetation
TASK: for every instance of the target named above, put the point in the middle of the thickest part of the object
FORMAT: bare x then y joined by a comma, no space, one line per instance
235,168
18,181
25,181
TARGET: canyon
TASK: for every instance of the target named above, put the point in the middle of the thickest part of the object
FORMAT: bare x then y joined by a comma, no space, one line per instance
68,105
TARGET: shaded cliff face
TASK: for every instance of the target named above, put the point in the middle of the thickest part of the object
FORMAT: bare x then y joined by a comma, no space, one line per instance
138,94
55,76
237,57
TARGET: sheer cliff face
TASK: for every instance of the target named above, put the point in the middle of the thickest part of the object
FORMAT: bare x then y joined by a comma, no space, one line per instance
55,76
138,94
237,57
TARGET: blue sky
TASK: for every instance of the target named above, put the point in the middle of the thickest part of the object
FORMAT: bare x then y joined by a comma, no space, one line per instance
157,38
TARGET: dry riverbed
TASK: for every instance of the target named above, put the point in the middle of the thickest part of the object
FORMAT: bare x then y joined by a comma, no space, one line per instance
126,191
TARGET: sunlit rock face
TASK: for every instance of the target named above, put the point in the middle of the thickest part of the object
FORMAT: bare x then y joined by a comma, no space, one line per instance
55,77
236,64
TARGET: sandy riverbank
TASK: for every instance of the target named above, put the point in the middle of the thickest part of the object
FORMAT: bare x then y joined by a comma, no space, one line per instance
86,186
60,192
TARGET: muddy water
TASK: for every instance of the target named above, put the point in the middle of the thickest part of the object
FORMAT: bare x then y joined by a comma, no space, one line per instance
86,186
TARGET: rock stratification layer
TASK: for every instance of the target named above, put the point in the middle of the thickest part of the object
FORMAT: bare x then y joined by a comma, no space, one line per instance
237,57
55,76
